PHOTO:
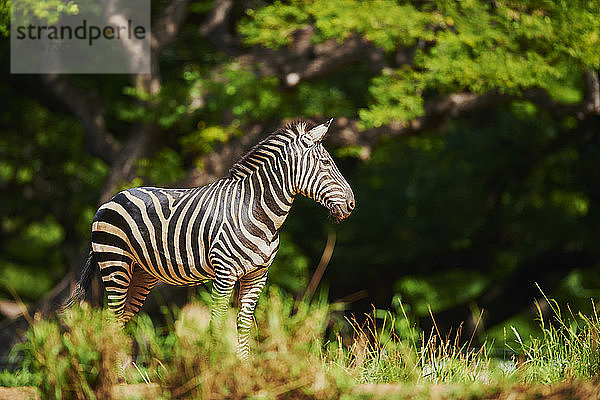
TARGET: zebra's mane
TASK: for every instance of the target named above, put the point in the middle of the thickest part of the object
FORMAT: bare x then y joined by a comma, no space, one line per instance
250,161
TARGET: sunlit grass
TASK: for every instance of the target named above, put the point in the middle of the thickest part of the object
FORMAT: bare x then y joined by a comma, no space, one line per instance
83,352
385,350
567,349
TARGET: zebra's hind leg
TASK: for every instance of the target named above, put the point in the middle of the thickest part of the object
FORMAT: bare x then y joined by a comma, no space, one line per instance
116,276
139,287
251,287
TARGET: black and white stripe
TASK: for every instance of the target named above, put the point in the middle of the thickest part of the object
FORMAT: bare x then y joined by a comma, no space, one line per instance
226,231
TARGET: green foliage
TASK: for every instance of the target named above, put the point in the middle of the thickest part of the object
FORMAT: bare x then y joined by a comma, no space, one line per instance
273,26
78,354
19,378
25,282
47,11
4,18
206,138
398,94
165,167
236,88
441,291
318,100
385,23
476,46
48,184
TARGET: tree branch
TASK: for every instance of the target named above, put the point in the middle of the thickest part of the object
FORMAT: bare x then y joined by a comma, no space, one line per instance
215,28
166,26
303,60
164,30
591,102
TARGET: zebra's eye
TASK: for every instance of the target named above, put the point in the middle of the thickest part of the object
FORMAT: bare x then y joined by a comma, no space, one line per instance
326,162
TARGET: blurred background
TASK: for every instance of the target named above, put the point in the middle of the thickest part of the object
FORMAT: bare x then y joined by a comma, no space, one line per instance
468,130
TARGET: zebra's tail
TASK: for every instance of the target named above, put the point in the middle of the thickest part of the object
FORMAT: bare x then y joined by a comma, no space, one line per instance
79,293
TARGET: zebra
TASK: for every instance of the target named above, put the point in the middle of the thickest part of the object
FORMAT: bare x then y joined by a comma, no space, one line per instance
226,231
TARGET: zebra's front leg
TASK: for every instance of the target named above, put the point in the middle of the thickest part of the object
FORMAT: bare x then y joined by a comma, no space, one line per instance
223,285
250,288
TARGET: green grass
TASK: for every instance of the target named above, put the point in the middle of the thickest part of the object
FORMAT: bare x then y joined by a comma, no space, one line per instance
299,350
568,347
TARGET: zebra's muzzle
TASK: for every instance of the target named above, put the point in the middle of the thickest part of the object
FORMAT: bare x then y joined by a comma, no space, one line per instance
338,212
341,211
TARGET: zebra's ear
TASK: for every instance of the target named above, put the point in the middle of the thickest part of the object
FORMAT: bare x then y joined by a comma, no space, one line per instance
317,133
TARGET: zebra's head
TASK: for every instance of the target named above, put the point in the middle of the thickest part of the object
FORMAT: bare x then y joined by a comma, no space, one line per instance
316,175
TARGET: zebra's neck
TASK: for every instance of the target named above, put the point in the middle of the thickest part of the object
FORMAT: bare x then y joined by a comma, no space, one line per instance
266,175
268,192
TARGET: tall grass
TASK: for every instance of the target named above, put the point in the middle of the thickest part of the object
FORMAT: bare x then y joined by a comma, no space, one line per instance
387,350
567,349
76,356
83,353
